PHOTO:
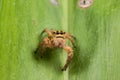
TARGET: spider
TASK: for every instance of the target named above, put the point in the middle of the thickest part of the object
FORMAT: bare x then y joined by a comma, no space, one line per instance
57,39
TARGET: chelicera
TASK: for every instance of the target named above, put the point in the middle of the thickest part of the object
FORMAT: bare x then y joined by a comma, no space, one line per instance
57,39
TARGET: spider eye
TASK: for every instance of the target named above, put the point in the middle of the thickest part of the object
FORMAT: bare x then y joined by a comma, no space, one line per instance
57,32
63,32
53,32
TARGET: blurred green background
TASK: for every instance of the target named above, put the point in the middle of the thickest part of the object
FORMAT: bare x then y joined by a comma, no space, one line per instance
96,28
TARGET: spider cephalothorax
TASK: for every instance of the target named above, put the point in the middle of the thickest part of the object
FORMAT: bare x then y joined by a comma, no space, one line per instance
57,38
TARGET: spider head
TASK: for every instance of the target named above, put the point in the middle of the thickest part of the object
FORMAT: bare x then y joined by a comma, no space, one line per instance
58,33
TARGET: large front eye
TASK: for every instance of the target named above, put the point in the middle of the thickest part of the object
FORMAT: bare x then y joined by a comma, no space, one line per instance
61,33
57,32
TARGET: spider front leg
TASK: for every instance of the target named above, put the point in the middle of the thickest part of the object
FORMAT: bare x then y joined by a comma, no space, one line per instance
42,46
38,48
70,55
49,32
72,39
41,49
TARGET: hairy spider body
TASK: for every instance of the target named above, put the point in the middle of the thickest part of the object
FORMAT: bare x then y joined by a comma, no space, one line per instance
57,39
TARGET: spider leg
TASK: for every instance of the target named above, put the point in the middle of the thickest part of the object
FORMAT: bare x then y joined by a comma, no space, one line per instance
43,51
39,48
45,30
36,51
70,55
72,39
49,32
46,43
42,46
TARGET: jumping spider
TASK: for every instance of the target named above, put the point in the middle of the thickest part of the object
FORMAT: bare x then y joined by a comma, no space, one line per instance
57,39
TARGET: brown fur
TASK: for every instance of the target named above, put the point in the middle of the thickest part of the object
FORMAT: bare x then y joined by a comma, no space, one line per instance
57,39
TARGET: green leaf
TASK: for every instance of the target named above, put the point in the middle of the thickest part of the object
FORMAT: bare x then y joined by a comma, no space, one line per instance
97,32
